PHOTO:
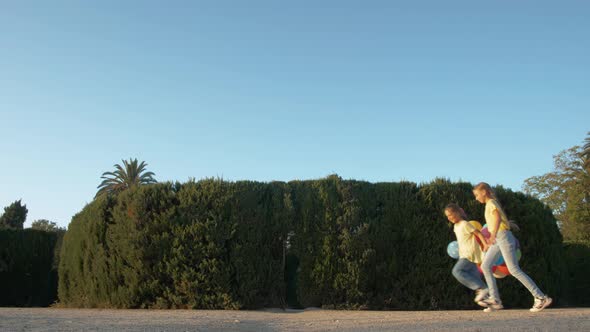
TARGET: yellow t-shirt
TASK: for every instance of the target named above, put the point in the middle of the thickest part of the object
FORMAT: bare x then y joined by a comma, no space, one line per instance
468,246
491,206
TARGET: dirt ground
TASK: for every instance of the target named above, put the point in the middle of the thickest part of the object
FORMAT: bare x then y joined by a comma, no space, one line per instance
54,319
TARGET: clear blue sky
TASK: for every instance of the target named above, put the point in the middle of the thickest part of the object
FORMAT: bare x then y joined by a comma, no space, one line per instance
283,90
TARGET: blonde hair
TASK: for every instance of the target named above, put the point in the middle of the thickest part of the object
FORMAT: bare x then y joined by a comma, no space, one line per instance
455,208
487,189
491,194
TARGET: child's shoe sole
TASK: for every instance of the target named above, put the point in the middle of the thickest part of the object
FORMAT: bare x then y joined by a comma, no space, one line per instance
482,304
547,303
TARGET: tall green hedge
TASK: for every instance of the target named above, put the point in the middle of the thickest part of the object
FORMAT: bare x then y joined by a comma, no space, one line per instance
346,244
28,276
577,258
208,244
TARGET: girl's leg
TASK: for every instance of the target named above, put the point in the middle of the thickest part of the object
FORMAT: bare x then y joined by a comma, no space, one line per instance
476,276
464,272
491,256
507,244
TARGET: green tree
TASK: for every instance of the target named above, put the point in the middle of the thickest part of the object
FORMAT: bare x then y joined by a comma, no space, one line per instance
14,216
566,191
131,174
46,225
586,152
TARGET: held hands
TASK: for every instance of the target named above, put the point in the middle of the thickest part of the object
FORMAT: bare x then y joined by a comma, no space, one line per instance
491,239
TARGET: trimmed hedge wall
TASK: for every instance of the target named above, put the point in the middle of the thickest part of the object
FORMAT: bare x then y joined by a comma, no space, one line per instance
577,258
28,275
346,244
208,244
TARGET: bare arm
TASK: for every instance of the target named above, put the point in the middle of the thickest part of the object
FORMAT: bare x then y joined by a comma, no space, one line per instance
496,217
482,239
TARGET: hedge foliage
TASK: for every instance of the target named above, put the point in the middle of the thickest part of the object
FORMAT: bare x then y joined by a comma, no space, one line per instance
28,273
577,258
345,243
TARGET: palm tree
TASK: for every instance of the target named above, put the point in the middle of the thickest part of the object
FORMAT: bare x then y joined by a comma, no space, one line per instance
132,175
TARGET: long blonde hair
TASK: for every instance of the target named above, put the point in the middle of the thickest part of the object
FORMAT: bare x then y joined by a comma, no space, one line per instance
491,194
487,189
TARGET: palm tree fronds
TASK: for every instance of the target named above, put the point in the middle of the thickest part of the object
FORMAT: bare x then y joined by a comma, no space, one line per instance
129,175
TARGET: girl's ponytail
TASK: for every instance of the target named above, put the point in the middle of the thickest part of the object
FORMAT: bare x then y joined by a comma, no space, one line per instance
513,225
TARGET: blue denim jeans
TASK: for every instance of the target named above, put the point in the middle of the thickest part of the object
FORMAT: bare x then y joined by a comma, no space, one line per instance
467,273
506,245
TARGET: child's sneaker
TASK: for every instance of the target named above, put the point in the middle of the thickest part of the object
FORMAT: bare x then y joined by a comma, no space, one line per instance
482,304
480,295
541,303
493,305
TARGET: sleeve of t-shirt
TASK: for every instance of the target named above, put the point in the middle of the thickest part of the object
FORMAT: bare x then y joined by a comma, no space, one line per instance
469,228
493,206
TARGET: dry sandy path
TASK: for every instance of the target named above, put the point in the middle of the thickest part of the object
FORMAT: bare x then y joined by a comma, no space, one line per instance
54,319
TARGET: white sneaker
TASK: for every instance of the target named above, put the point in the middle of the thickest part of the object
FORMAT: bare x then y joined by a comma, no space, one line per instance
482,304
541,303
493,305
480,294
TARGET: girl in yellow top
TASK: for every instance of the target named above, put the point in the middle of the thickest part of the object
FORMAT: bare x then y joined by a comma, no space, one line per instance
470,254
502,241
